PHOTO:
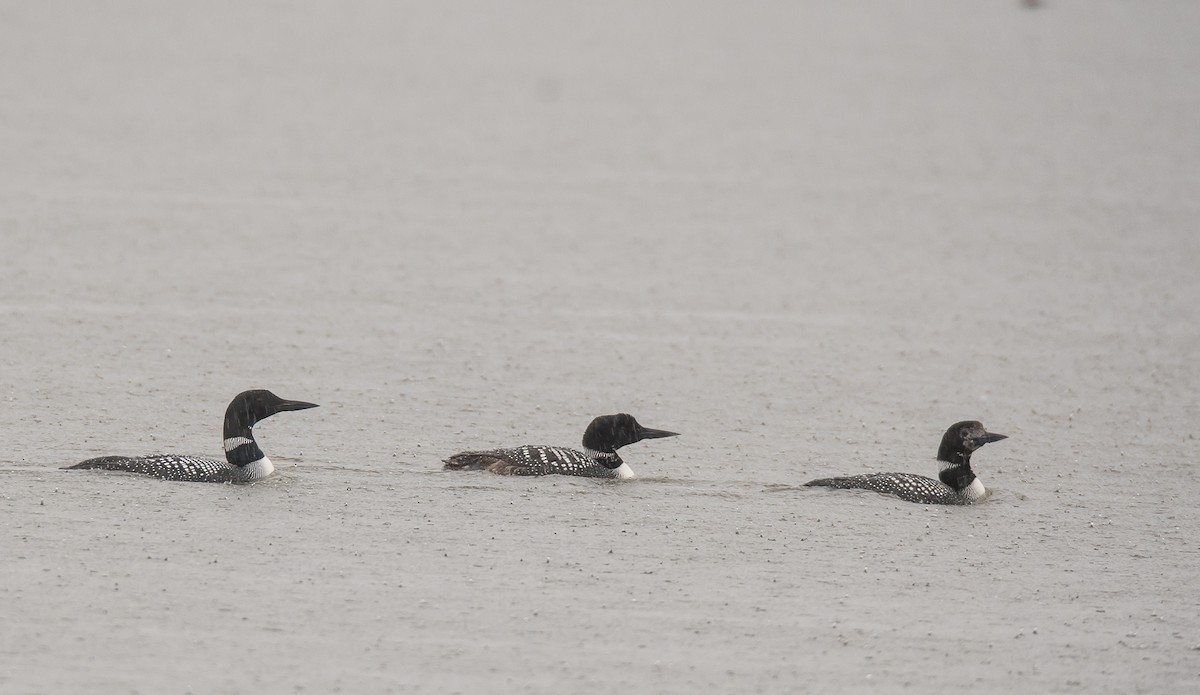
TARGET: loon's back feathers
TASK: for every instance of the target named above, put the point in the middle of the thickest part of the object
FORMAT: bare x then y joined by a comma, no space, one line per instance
906,486
598,459
532,460
244,463
166,466
957,483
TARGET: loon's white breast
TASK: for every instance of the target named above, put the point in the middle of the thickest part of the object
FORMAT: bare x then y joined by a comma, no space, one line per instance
975,492
255,470
624,472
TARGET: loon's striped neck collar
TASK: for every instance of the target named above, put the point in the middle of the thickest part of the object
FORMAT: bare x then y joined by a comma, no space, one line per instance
956,475
241,449
609,459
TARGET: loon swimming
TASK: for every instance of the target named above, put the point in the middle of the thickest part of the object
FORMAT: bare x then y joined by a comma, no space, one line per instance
957,484
598,459
244,463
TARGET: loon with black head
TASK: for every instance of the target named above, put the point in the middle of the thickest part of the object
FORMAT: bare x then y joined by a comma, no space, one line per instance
956,482
244,461
598,459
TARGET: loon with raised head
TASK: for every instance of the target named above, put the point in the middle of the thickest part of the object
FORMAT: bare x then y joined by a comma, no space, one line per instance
957,483
244,461
598,459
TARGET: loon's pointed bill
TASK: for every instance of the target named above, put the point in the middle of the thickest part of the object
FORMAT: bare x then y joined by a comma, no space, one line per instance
648,433
990,437
956,483
598,459
244,461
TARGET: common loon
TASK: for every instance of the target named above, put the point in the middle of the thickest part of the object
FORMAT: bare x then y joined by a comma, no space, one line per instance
598,459
244,463
957,484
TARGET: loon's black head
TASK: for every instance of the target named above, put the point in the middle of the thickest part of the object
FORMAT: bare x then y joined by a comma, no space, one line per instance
962,439
608,433
248,407
243,413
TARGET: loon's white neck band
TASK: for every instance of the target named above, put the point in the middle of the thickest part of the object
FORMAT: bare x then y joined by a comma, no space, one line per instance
234,442
947,465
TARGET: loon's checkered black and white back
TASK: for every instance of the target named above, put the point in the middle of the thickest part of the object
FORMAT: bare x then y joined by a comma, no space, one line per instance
244,463
906,486
166,466
534,460
957,483
598,459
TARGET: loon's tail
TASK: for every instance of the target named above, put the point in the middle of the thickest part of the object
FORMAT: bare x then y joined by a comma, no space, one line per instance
832,482
470,461
109,463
